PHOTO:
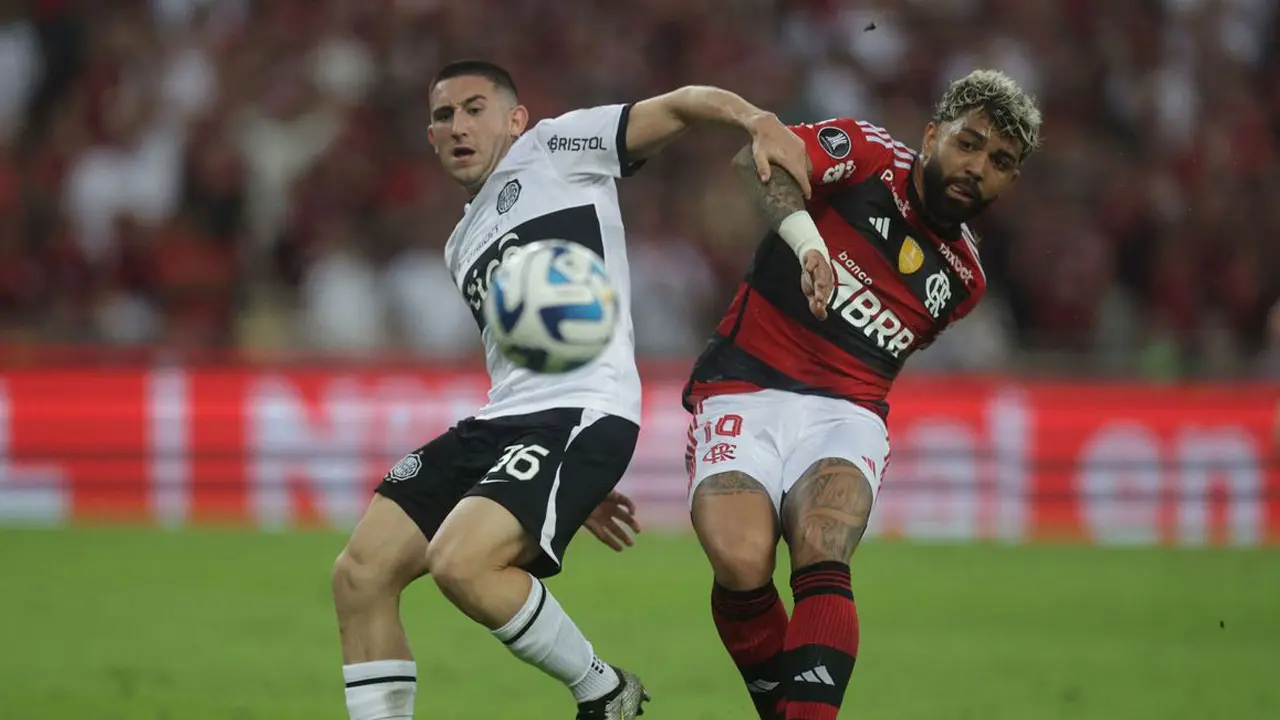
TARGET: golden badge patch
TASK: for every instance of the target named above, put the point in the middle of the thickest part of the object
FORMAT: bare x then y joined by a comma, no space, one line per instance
911,257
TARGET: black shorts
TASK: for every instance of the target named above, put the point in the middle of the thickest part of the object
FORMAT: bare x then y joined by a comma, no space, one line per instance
550,469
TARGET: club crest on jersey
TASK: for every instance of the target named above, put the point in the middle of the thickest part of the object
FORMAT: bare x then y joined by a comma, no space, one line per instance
508,196
835,141
910,257
937,292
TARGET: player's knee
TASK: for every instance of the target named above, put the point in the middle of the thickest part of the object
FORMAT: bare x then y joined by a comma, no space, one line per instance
819,541
384,555
455,566
459,566
746,566
741,561
359,578
479,538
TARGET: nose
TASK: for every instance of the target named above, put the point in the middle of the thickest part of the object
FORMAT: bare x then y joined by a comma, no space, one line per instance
458,128
975,166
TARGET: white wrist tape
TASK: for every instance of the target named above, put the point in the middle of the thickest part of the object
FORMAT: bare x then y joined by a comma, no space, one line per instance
799,231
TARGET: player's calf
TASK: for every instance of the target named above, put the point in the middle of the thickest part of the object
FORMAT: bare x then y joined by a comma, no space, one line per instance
736,524
476,559
824,518
386,552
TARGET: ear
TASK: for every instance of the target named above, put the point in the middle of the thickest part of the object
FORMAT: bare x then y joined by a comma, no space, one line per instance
431,138
928,145
518,120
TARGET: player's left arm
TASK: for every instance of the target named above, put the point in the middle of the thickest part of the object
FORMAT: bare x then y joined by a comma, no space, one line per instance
655,123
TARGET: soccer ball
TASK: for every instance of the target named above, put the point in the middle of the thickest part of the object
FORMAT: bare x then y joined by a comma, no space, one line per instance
551,306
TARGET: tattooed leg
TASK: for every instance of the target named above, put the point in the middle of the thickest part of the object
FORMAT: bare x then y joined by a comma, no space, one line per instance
734,518
826,513
823,518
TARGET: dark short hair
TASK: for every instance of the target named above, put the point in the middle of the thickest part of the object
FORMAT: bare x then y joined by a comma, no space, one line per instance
478,68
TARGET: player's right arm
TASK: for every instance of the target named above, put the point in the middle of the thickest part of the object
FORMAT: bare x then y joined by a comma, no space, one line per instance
839,151
782,203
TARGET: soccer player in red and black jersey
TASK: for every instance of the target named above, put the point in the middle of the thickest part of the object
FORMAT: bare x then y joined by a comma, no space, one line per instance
789,400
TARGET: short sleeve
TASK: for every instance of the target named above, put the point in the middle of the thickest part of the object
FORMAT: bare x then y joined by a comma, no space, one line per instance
844,150
590,142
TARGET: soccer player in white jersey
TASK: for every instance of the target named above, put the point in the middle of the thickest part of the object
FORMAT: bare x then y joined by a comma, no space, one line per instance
488,508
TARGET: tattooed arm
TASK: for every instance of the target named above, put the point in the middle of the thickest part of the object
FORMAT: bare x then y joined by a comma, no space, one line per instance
782,203
777,198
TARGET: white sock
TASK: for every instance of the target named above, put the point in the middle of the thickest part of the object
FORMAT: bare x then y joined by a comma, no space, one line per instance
381,690
542,635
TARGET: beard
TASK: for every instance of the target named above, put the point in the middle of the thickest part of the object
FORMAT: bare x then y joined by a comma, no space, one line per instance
943,207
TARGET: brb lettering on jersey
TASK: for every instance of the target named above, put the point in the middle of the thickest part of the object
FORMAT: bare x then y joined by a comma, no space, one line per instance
575,144
856,304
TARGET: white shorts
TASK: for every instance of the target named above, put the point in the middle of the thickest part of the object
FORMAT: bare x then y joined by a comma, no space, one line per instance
774,436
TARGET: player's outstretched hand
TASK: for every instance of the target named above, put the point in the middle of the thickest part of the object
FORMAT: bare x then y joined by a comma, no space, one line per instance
610,518
817,281
773,143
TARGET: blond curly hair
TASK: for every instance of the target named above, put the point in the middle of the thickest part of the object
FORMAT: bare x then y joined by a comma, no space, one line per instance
1012,111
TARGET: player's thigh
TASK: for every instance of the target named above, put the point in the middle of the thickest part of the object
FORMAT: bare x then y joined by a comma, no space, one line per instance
548,478
736,523
735,486
834,474
410,504
385,552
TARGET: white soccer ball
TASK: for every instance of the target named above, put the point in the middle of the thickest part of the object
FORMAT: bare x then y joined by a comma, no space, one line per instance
551,306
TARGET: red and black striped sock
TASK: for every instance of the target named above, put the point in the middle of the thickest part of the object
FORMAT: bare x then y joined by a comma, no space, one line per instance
753,626
822,641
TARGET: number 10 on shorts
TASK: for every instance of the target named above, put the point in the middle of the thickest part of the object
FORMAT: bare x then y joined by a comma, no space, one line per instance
726,427
518,462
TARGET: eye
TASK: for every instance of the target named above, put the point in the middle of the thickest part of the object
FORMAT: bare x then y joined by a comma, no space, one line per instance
966,145
475,111
1003,164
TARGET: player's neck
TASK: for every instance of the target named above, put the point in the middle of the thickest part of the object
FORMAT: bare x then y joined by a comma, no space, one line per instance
474,190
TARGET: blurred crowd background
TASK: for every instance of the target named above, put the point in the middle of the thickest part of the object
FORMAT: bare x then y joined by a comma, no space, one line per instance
254,176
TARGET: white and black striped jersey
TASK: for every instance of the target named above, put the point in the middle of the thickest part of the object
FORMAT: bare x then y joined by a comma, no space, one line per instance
556,182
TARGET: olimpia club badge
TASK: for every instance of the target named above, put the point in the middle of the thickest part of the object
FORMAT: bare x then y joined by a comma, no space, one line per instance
408,467
508,196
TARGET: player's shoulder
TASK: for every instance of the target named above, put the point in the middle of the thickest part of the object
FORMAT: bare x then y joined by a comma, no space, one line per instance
580,121
841,137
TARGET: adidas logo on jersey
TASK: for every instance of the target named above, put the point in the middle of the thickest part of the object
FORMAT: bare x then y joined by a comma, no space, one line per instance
881,224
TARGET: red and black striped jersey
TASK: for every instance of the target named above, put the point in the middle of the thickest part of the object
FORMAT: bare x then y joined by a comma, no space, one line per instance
899,282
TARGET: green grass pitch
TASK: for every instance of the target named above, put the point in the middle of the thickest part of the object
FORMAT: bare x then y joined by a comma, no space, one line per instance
128,624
